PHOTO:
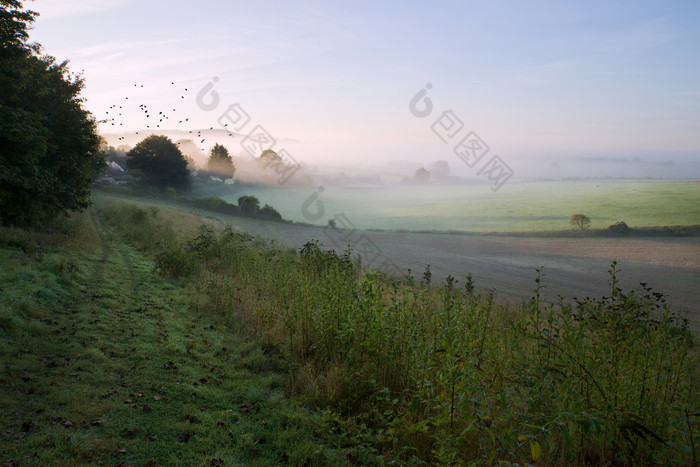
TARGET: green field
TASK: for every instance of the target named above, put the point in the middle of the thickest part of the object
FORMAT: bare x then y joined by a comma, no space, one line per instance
517,207
144,334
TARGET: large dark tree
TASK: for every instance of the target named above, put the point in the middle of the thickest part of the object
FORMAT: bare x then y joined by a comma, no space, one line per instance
220,162
160,162
49,147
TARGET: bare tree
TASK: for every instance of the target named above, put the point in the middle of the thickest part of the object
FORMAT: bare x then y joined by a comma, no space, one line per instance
581,221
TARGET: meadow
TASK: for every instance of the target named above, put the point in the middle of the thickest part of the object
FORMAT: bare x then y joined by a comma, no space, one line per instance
440,373
527,207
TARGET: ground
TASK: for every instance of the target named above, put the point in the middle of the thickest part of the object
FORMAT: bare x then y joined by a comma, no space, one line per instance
105,362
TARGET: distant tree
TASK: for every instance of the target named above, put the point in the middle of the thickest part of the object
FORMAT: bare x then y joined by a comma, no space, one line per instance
49,146
115,155
269,213
249,205
421,176
160,161
619,227
269,158
440,170
220,162
580,221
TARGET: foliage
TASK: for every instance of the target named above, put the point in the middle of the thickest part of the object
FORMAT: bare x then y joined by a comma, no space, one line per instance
248,206
14,25
50,147
269,213
444,375
421,176
619,228
160,161
580,221
269,158
220,162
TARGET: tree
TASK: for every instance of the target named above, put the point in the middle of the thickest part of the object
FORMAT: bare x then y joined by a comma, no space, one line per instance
581,221
619,227
220,162
249,205
49,146
269,213
421,176
440,171
269,158
160,161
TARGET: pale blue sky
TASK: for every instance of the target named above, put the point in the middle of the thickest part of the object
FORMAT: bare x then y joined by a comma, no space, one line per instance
538,81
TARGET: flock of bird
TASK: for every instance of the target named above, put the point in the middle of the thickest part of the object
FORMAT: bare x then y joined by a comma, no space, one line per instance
152,120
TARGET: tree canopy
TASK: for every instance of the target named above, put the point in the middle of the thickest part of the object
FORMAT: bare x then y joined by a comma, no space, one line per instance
269,158
160,162
580,221
220,162
49,146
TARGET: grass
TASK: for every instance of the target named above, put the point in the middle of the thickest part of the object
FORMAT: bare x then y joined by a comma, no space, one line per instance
439,374
530,207
105,362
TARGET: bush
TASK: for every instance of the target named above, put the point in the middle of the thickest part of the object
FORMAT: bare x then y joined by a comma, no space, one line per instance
619,228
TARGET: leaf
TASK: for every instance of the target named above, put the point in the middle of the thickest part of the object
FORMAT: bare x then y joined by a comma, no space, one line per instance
535,449
521,438
184,437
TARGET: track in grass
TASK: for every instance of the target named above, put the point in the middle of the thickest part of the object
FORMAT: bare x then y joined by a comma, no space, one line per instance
108,364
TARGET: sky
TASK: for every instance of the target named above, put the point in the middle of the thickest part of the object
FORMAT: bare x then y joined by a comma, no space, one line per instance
554,88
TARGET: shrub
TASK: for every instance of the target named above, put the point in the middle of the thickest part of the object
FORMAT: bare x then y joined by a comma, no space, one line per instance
619,228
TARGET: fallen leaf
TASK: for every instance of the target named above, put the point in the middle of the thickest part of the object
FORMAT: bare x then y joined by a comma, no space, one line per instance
67,424
184,437
152,438
30,425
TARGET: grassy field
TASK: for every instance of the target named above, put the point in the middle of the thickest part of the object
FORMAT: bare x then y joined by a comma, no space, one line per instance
436,374
105,362
517,207
146,335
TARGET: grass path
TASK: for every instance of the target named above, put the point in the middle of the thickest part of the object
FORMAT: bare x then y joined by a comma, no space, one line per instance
103,362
